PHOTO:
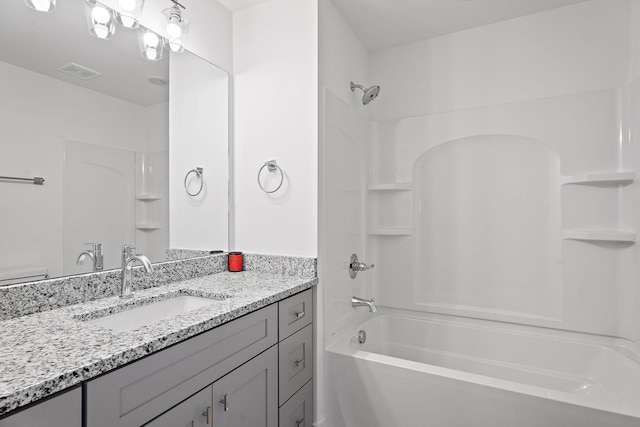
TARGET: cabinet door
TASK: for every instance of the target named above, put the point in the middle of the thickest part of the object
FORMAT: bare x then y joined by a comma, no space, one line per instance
248,396
62,410
193,412
298,411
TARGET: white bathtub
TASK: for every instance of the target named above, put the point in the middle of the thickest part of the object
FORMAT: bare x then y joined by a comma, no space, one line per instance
432,371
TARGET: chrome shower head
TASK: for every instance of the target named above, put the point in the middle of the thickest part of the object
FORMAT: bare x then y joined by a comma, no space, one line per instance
369,93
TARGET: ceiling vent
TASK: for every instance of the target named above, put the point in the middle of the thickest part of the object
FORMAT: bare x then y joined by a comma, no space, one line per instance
79,71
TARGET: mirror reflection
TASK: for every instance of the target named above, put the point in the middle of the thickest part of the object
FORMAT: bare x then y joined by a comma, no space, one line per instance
92,118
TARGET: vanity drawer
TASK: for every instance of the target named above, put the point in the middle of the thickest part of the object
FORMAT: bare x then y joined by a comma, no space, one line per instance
298,411
65,409
295,313
136,393
295,362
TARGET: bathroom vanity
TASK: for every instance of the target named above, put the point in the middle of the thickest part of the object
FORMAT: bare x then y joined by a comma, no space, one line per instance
248,361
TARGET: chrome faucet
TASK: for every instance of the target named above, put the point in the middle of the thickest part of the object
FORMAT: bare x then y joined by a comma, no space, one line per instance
127,264
95,254
361,302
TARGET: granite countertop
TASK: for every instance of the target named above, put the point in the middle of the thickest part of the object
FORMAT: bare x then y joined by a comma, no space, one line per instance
49,351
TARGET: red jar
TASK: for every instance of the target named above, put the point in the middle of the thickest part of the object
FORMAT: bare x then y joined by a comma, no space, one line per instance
235,261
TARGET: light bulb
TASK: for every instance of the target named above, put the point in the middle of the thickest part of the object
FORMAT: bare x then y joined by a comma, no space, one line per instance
128,21
151,39
174,47
41,5
101,31
174,30
151,53
127,5
100,15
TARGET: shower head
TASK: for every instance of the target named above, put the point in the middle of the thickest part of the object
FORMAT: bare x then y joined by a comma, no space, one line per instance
369,93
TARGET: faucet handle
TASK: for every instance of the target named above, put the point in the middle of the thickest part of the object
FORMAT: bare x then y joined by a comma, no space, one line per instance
94,246
127,252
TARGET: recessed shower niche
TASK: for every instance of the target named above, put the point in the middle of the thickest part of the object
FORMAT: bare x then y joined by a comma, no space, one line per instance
488,231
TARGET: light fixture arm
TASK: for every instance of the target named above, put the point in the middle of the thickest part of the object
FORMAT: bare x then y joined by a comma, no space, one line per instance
176,3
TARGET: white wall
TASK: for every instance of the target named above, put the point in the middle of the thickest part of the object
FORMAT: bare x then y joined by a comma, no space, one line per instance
275,62
521,59
556,77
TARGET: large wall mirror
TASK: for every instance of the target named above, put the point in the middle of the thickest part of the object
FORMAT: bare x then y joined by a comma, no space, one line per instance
113,135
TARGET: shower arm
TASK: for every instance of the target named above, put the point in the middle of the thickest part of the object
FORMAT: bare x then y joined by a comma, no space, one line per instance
356,85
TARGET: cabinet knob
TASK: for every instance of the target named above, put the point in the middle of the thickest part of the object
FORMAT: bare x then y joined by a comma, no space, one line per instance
299,314
299,362
225,402
209,414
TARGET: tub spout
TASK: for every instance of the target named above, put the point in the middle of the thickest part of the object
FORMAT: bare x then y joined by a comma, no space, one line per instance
360,302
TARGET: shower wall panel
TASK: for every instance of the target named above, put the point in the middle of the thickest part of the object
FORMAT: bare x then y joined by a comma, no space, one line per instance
487,228
560,78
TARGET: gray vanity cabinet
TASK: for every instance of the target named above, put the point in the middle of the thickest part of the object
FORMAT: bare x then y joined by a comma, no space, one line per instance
296,360
62,410
141,391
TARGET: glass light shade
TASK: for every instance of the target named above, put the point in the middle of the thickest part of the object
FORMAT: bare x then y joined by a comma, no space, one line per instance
41,5
128,12
100,20
151,45
176,29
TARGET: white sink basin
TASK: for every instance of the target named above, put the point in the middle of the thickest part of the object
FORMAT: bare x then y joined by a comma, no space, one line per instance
154,312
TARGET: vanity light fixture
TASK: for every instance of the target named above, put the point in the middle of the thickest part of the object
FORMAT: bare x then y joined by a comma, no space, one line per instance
41,5
128,12
177,28
100,20
151,44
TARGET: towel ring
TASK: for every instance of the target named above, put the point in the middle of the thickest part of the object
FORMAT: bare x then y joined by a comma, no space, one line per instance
271,166
198,172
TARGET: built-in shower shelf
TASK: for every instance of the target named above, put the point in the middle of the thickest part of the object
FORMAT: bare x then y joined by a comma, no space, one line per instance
600,235
148,197
622,177
148,226
390,231
399,186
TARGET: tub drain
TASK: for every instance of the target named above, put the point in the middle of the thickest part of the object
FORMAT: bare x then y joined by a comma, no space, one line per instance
362,336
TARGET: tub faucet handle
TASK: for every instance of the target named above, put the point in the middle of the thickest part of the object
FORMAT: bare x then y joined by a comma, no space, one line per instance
361,266
355,266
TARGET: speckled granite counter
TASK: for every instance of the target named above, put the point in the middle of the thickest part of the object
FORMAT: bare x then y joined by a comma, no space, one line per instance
43,353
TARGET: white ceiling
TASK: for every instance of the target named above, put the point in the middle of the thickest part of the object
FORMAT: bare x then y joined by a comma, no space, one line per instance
382,24
43,42
234,5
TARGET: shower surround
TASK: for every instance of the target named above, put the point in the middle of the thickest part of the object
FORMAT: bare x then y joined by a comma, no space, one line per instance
493,178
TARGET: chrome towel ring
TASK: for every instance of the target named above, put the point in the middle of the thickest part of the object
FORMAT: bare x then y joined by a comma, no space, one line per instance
199,173
271,166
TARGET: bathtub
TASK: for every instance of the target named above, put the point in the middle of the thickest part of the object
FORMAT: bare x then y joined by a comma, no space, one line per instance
427,370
